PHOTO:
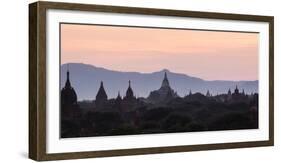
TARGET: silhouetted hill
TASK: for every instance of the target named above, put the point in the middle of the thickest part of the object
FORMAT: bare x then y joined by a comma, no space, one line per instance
86,80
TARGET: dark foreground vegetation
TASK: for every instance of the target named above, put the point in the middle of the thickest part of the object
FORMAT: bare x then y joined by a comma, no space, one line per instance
189,114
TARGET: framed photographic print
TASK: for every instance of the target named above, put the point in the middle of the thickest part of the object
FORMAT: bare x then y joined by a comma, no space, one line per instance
112,81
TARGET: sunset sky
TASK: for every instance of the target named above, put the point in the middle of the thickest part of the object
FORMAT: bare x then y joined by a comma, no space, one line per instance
209,55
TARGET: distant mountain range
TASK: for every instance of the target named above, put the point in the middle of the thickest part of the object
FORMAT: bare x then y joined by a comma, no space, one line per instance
86,81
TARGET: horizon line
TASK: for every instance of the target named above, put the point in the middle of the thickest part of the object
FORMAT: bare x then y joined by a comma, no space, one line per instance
163,69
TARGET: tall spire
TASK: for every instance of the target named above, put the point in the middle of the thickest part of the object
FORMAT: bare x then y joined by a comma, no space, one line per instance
129,92
68,94
236,91
165,82
67,72
101,95
67,83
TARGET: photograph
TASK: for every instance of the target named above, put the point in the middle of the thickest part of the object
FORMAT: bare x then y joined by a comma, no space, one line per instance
130,80
108,80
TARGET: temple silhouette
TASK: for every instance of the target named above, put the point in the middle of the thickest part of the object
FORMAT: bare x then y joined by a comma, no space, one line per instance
162,111
69,105
164,93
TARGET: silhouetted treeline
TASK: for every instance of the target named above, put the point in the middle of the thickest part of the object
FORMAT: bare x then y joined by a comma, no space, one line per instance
189,114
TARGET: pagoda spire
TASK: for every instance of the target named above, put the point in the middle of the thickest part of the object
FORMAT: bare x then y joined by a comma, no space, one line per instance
101,95
165,76
165,82
236,91
67,83
68,94
129,92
